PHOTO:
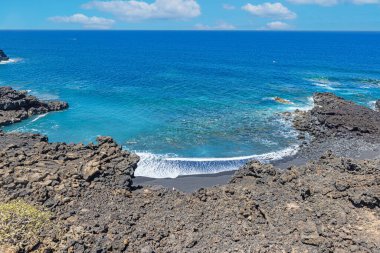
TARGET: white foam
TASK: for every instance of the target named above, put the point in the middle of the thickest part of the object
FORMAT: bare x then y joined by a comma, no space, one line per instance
305,107
39,117
165,166
15,60
324,83
372,105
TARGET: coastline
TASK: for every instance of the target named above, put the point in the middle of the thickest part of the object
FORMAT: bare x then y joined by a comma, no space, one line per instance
353,146
94,203
355,149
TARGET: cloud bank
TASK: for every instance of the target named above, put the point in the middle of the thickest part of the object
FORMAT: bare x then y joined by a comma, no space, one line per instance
270,10
220,26
87,22
334,2
277,26
139,10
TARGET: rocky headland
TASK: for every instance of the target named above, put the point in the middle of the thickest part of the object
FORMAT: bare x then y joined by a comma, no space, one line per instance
57,197
18,105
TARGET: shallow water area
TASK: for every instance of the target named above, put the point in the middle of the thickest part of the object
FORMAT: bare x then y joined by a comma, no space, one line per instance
187,102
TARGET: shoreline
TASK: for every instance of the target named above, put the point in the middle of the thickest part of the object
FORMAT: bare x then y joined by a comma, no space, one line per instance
305,152
84,198
191,183
355,144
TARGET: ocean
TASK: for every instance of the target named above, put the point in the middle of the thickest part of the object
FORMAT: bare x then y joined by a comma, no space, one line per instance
188,102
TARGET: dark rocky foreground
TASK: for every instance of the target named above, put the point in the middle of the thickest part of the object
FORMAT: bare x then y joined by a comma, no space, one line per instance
329,205
18,105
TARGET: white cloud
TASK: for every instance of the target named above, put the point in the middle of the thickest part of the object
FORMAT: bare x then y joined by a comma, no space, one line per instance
139,10
277,25
366,1
334,2
220,26
228,7
270,10
87,22
317,2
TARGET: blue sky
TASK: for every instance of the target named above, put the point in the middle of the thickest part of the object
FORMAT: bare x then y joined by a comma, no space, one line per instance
360,15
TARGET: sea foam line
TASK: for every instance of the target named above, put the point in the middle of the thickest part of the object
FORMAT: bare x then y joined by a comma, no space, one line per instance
15,60
306,107
163,166
39,117
166,166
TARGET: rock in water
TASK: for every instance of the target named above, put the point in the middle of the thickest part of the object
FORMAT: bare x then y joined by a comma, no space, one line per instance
18,105
282,101
334,116
377,105
3,56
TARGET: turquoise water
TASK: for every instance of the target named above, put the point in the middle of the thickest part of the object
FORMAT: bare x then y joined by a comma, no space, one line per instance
188,102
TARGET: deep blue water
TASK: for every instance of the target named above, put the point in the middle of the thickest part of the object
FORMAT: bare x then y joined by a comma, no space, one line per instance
195,95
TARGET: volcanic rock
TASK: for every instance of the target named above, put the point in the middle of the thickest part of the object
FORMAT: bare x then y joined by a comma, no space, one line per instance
331,204
18,105
333,116
3,56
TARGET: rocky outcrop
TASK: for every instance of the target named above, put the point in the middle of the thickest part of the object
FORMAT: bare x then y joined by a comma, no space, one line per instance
3,56
333,116
282,101
377,105
18,105
328,205
30,164
331,205
54,176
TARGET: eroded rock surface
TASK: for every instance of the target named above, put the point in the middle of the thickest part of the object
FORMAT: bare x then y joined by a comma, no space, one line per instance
333,116
328,205
18,105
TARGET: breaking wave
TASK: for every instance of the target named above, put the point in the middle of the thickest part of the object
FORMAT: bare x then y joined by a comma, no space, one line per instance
10,61
324,83
164,166
372,105
39,117
303,107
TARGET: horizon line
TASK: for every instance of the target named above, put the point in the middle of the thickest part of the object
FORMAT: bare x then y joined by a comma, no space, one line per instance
186,30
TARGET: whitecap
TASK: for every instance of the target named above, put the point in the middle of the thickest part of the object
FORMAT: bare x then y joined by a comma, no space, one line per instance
302,107
372,105
39,117
165,166
15,60
324,83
